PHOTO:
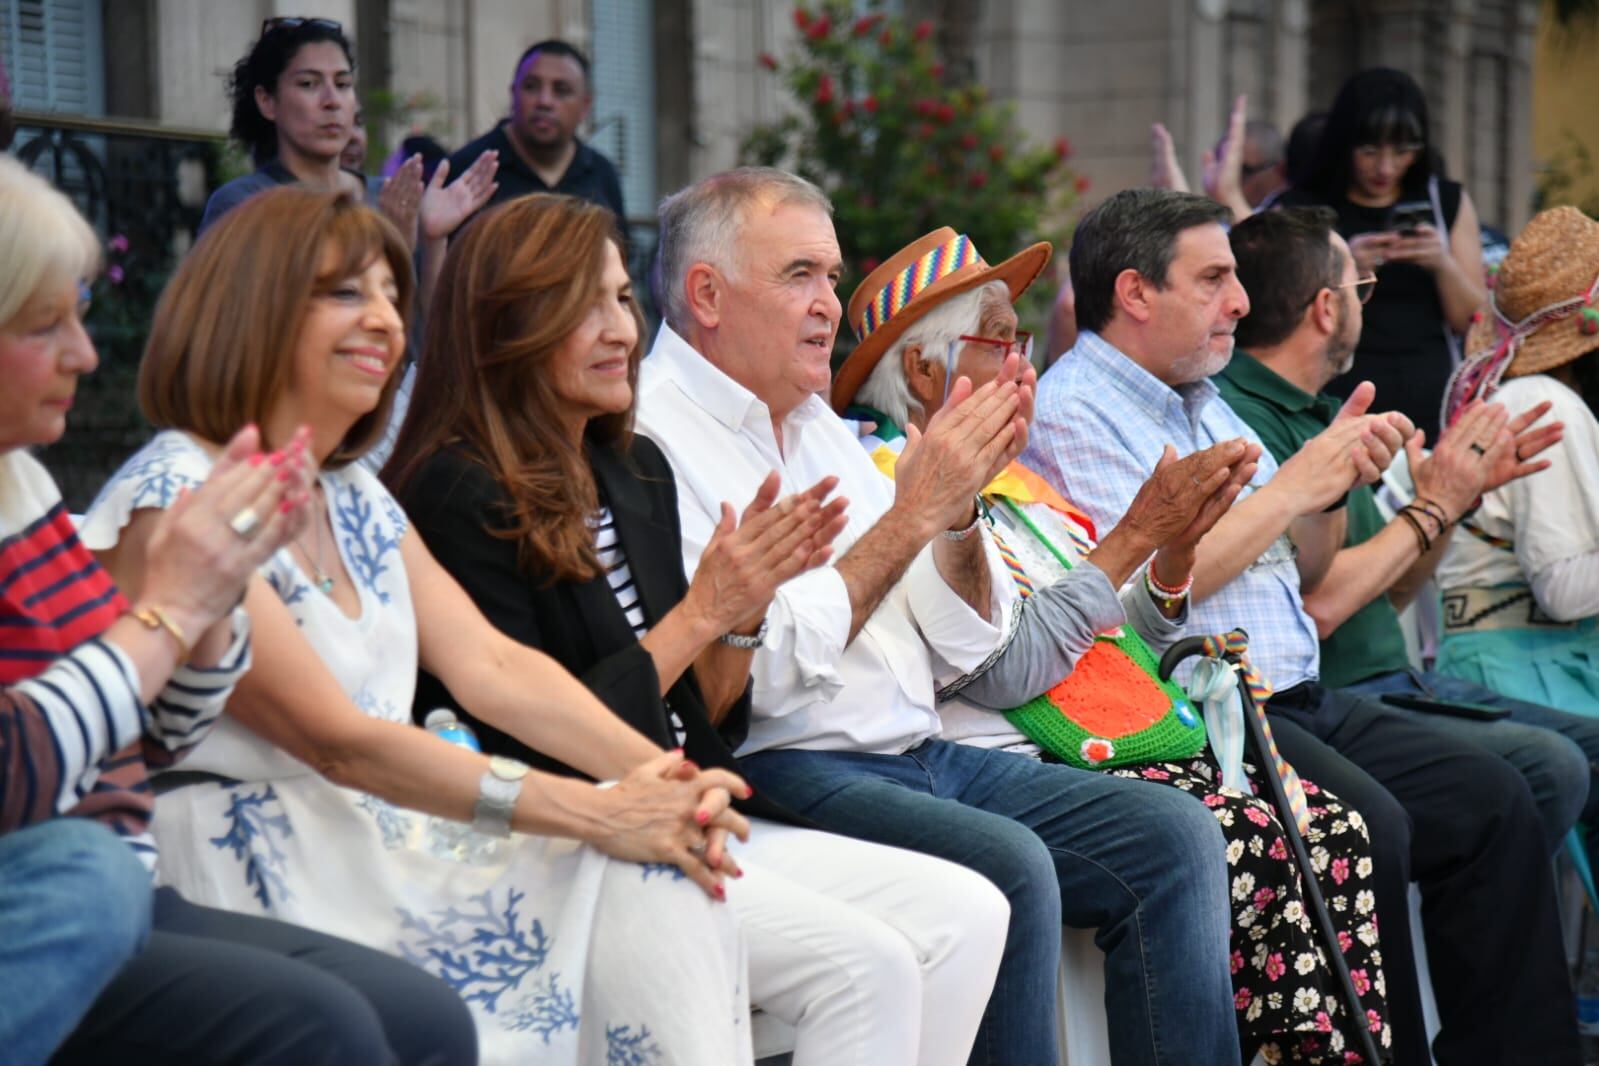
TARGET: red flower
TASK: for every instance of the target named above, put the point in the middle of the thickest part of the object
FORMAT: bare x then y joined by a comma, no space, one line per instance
1361,979
1241,999
1345,941
824,90
977,181
1323,1022
1082,183
1340,870
924,30
866,24
820,28
1235,962
926,108
968,141
869,105
886,38
997,153
945,113
938,70
767,60
924,131
802,17
1063,148
1373,1021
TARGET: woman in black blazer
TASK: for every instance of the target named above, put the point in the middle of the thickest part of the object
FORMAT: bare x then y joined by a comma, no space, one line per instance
522,474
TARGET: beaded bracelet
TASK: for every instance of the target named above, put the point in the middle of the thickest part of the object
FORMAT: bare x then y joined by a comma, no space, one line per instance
1168,596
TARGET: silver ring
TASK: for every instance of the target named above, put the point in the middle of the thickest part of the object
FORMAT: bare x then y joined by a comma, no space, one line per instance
245,523
698,850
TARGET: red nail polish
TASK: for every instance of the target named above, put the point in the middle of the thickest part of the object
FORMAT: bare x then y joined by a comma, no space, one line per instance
277,458
701,817
692,765
286,506
284,475
258,458
721,893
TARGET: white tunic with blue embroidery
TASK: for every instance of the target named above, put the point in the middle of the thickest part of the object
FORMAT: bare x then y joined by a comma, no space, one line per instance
564,955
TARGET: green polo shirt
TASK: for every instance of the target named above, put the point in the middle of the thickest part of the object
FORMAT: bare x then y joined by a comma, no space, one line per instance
1286,416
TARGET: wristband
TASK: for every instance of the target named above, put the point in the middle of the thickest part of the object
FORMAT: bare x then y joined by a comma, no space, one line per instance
1168,596
747,643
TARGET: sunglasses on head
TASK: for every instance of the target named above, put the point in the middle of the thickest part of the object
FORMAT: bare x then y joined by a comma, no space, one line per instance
294,22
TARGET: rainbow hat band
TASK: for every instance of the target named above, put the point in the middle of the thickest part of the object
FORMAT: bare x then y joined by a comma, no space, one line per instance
912,282
942,261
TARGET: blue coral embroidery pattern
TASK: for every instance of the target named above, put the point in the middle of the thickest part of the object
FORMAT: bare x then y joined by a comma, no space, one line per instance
257,826
624,1047
393,823
648,870
156,476
290,589
485,952
366,540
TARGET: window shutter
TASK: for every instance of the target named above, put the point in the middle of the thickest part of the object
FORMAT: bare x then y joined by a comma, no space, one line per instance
623,58
53,54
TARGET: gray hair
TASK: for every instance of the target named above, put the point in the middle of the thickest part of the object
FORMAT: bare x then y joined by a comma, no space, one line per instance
700,224
886,387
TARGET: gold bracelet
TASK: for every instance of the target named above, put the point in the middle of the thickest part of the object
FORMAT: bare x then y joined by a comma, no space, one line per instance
153,618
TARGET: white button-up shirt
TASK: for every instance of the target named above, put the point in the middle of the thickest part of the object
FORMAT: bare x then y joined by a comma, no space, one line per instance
813,686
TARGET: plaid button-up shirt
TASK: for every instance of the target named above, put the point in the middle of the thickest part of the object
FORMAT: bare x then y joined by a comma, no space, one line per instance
1101,423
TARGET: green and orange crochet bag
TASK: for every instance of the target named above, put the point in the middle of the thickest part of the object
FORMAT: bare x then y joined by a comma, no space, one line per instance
1112,709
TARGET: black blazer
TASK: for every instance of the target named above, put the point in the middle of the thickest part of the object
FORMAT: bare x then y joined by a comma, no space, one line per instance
454,501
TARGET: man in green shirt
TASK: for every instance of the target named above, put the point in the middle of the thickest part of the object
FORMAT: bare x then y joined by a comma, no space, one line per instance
1304,321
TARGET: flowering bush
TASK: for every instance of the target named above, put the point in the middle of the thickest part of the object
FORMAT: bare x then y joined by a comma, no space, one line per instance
901,149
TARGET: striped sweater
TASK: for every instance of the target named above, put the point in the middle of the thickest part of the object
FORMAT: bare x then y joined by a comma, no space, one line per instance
74,738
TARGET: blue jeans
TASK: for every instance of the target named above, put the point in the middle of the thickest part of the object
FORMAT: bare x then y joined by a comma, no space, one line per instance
1554,750
1141,864
74,907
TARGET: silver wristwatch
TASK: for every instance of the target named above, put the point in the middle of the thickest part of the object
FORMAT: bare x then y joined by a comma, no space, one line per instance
748,643
497,795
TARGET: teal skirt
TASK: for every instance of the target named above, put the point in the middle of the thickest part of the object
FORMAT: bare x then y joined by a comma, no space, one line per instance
1554,667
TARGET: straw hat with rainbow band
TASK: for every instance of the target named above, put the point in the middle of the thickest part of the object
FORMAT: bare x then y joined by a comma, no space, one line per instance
1543,311
916,279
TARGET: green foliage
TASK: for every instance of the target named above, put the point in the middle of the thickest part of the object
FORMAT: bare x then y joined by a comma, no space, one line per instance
901,149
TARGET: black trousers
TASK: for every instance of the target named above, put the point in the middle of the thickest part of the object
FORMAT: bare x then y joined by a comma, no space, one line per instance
1461,823
215,987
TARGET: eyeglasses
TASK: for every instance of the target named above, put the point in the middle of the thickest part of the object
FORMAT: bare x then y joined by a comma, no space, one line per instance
1363,287
1370,153
995,347
294,22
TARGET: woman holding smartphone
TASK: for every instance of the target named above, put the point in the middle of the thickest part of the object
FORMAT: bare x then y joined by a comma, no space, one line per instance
1377,168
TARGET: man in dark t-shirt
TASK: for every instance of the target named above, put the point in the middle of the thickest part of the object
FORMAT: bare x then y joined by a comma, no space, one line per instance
1302,329
538,144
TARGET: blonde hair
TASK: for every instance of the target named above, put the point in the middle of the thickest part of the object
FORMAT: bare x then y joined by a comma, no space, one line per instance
43,238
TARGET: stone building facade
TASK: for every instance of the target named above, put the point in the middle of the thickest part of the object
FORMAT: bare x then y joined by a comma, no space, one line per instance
678,82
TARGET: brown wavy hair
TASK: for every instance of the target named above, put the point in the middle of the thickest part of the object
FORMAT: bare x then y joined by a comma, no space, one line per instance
222,342
514,285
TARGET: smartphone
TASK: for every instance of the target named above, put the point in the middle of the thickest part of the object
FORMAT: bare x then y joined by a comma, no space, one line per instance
1408,216
1479,712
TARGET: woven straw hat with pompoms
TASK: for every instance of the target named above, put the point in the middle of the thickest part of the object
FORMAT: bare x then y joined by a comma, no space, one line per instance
1543,311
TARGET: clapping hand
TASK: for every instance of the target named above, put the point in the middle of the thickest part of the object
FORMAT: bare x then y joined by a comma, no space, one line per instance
1527,441
209,542
401,198
749,557
967,442
444,208
1222,172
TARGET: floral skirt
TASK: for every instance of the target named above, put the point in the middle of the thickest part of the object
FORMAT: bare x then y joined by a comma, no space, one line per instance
564,956
1288,1001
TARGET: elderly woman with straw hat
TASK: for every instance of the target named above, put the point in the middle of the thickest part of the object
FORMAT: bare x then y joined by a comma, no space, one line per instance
1076,680
1521,592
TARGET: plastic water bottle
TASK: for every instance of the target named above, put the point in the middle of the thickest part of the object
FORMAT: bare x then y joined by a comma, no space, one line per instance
446,838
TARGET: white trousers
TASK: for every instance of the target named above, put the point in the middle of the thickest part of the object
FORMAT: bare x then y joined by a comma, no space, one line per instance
877,956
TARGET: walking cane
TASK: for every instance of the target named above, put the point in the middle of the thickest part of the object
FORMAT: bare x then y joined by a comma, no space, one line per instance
1190,646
